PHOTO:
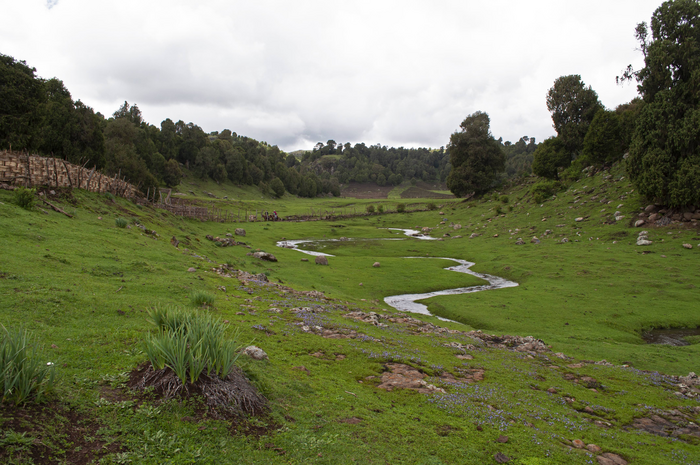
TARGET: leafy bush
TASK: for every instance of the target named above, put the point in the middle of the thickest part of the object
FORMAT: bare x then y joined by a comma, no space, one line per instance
202,298
370,208
504,199
121,222
401,207
24,197
22,374
380,208
544,190
190,344
431,206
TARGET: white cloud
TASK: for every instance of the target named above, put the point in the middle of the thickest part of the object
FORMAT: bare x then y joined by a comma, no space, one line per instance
293,73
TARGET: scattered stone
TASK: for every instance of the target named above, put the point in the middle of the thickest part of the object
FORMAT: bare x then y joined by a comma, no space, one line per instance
520,241
579,219
609,458
501,458
265,256
174,241
577,443
651,208
240,232
534,240
465,357
564,241
502,439
687,246
304,259
457,226
376,265
639,223
406,377
256,353
495,235
321,260
473,235
229,235
191,270
643,241
593,448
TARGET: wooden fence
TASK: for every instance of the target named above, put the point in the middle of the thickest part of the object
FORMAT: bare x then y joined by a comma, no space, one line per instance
22,169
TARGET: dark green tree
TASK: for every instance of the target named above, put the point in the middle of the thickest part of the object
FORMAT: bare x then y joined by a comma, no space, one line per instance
549,156
172,175
21,93
476,157
664,156
603,143
573,107
277,187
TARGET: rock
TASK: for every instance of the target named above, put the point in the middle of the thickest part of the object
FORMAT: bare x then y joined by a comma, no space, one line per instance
265,256
501,458
564,241
441,213
229,235
304,259
174,241
639,223
473,236
321,260
240,232
650,209
457,226
406,377
654,216
376,265
534,240
609,458
579,219
593,448
643,241
520,241
502,439
687,246
495,235
577,443
256,353
191,270
687,216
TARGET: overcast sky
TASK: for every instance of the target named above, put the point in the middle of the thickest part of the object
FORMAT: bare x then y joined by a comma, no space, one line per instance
292,73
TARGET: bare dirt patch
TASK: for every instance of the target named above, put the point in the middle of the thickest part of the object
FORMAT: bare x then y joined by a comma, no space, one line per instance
51,433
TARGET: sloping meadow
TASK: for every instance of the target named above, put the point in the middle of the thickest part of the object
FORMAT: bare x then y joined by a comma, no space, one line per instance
345,385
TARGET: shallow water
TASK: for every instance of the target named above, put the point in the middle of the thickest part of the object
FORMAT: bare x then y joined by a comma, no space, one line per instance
408,302
671,337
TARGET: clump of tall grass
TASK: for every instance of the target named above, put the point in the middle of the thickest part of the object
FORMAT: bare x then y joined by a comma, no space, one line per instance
121,222
401,207
23,373
190,344
24,197
202,298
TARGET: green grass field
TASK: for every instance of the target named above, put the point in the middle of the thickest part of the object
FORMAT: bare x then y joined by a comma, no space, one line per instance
83,286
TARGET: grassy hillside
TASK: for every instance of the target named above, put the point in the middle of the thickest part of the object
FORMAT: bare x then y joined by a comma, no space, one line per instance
84,285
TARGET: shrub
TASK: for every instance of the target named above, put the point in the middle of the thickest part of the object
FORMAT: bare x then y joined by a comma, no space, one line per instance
110,196
401,207
431,206
23,374
498,210
24,197
202,298
504,199
380,208
121,222
190,344
544,190
370,208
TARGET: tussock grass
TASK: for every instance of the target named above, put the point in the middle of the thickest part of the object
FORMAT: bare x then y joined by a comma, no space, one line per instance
121,222
202,298
24,373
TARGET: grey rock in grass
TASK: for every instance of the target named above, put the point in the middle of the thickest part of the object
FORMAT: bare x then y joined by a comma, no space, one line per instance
654,216
639,223
643,241
376,265
265,256
321,260
579,219
240,232
304,259
520,241
564,241
191,270
256,353
651,209
534,240
687,246
609,458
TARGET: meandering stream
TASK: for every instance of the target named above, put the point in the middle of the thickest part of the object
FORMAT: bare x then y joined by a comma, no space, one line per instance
409,302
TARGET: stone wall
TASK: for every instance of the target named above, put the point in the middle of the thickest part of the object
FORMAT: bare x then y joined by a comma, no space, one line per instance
22,169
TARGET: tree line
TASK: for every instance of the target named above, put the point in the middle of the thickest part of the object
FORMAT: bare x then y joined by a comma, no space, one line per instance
658,131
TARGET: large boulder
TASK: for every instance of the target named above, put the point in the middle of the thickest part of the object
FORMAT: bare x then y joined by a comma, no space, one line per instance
321,260
256,353
240,232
